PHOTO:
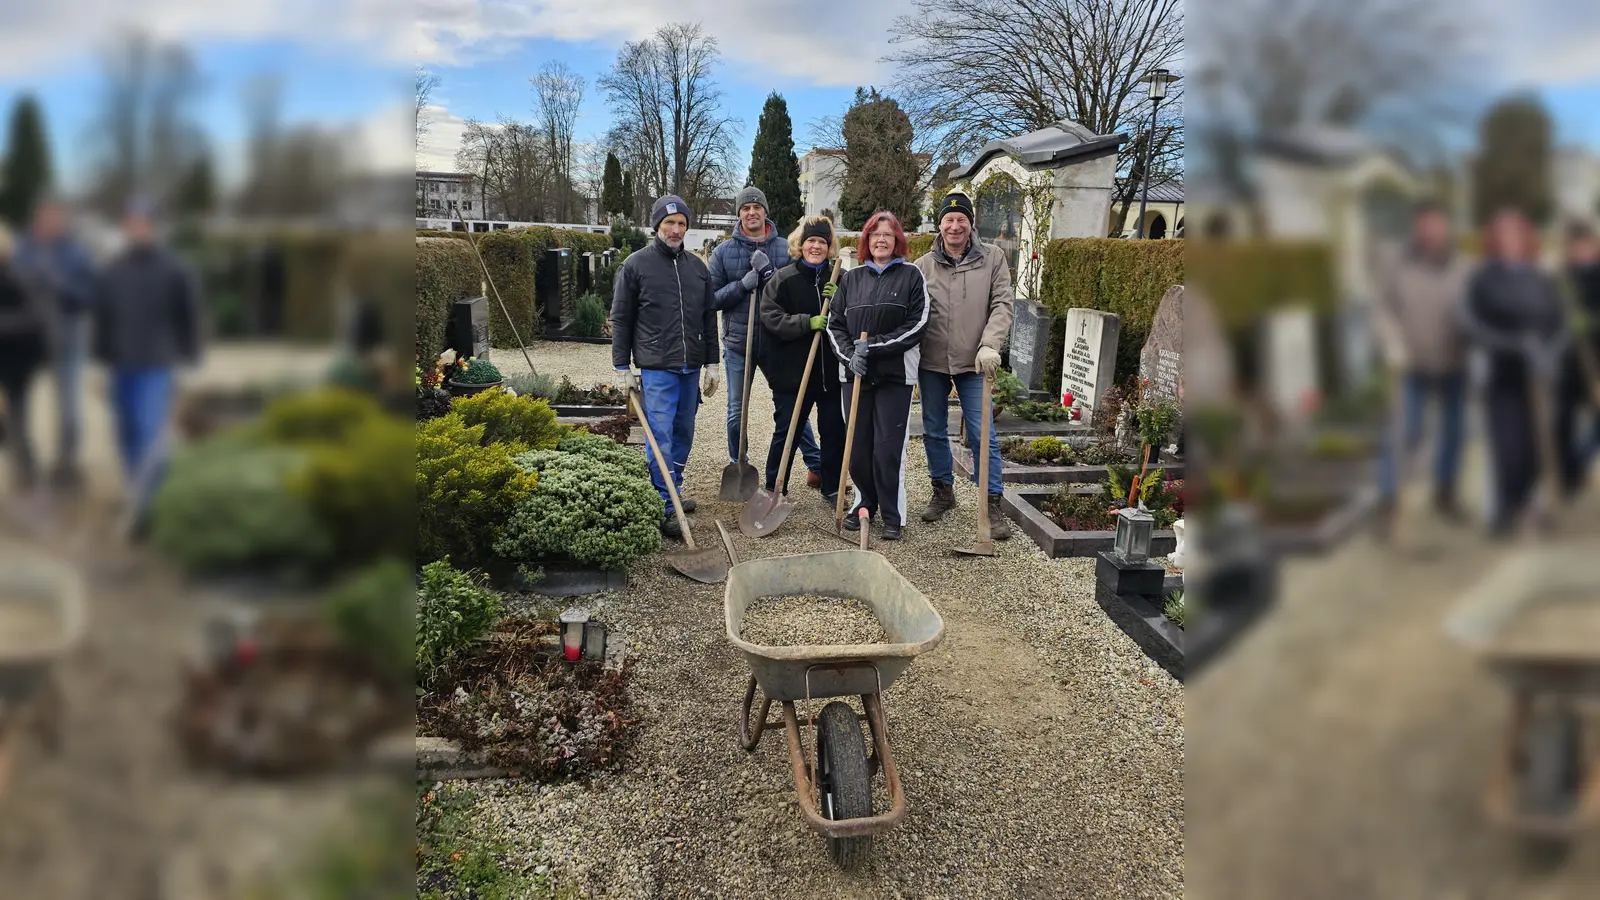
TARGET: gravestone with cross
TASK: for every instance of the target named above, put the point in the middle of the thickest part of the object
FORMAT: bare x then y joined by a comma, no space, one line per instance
1089,359
1292,363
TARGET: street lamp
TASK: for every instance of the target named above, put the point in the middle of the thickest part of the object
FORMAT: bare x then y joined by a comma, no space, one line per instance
1158,79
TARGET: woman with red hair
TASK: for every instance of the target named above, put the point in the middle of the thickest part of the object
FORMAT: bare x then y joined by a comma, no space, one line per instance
1514,315
879,312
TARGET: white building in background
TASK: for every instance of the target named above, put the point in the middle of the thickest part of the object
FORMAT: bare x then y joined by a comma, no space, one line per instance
437,192
1575,172
821,180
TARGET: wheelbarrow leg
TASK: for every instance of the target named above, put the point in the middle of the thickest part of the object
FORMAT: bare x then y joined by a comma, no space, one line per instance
746,739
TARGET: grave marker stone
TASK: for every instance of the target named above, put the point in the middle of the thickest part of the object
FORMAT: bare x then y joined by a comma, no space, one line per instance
1291,362
1030,339
1161,359
1089,359
468,330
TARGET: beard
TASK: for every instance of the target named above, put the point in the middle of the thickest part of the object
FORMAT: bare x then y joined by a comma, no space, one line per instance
674,243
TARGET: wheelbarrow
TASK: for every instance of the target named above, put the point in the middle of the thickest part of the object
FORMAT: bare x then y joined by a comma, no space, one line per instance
1535,623
835,781
42,617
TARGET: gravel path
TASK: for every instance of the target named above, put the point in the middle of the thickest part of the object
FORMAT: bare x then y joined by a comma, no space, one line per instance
1042,753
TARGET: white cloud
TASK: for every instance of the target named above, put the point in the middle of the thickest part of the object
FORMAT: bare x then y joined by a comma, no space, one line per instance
829,43
438,150
1553,43
36,36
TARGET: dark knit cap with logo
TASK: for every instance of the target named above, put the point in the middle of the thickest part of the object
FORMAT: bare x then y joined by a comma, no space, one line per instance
955,201
669,205
819,229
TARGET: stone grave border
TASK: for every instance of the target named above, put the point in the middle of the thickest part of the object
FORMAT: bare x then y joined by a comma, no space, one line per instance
1022,505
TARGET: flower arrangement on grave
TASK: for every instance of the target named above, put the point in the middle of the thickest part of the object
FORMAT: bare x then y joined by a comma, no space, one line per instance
473,370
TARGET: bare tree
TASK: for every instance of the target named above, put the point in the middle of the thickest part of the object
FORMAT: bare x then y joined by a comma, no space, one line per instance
558,92
669,127
1036,62
146,135
427,82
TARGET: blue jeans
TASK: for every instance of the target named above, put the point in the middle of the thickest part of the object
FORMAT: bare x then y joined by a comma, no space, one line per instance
1449,391
671,400
142,399
733,372
935,389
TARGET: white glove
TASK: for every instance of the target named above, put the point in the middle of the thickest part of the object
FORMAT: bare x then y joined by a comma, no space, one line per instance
628,379
988,361
710,378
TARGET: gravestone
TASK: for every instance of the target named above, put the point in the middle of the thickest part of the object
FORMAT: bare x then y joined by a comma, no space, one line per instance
1030,340
1291,363
1161,359
468,330
552,285
1089,359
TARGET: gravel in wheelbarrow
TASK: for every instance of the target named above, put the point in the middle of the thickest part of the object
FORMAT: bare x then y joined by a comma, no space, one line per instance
792,621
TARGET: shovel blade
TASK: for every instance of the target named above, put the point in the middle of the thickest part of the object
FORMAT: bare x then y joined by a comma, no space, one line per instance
764,513
739,483
981,548
707,565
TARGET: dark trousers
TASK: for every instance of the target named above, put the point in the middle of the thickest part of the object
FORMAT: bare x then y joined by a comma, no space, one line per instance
15,385
878,456
1514,446
1576,450
830,427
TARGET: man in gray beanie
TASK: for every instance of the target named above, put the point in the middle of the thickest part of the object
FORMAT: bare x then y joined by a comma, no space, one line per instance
739,267
664,321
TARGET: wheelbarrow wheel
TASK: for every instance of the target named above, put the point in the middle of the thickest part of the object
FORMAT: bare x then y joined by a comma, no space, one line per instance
1552,752
844,784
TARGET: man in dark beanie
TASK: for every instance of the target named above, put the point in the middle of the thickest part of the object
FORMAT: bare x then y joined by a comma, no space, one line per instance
664,322
740,267
969,295
148,323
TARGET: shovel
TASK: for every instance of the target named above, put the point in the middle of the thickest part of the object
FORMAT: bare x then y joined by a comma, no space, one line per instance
739,479
849,440
984,545
768,509
1542,512
708,566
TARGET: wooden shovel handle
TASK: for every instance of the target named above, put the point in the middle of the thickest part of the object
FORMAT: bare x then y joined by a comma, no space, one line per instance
985,532
849,441
749,375
1139,479
661,462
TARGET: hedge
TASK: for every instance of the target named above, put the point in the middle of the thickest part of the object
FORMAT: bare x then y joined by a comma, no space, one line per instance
1247,280
916,244
509,257
446,272
1126,277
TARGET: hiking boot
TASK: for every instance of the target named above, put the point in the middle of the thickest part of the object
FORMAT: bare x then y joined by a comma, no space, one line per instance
813,480
852,521
1445,505
671,529
891,532
67,479
688,504
999,525
831,499
944,500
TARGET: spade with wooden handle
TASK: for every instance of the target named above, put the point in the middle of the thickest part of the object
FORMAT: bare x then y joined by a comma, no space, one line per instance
740,481
709,565
768,509
984,545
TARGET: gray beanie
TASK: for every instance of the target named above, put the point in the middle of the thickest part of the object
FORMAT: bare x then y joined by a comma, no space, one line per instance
749,194
669,205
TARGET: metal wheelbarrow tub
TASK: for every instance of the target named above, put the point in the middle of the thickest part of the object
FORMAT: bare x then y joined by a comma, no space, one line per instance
909,619
834,785
1545,785
43,615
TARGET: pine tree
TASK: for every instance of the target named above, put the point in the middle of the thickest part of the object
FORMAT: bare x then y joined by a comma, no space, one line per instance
1513,165
773,166
883,170
632,198
613,200
26,172
196,193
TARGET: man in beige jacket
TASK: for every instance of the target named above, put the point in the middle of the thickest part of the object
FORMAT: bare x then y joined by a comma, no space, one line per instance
1417,316
969,292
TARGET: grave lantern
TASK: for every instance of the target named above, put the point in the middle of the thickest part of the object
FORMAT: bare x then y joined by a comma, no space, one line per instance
1134,529
574,622
594,640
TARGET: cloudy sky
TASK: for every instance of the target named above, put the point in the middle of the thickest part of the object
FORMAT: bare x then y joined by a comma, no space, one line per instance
346,63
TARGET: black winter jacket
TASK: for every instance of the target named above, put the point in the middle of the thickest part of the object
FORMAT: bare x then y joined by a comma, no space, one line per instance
147,310
788,302
1506,306
24,325
663,314
892,308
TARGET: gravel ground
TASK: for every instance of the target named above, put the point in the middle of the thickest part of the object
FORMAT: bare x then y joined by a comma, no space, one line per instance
798,621
1041,752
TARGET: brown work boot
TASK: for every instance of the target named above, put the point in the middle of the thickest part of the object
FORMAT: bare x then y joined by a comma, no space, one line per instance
944,500
999,525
